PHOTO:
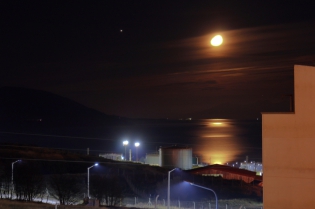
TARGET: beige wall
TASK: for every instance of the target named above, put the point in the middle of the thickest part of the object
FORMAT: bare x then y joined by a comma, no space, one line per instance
288,147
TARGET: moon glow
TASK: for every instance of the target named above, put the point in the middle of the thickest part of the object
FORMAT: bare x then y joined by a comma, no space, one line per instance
216,40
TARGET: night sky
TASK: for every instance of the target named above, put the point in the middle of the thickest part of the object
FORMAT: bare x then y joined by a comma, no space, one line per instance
153,59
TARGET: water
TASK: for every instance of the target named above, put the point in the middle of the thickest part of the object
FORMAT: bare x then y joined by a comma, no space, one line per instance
212,140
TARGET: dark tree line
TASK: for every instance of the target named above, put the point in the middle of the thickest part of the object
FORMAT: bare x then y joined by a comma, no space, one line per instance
67,188
31,184
6,187
107,189
28,183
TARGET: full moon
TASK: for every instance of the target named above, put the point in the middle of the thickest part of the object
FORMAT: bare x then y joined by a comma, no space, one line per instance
217,40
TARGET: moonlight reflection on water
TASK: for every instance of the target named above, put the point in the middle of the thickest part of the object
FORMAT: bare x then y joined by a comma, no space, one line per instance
212,140
219,141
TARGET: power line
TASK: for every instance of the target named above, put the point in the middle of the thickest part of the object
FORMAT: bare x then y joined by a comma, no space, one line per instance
77,137
1,145
74,161
59,136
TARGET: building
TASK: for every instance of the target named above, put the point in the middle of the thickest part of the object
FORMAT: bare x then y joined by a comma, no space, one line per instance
231,173
152,159
176,157
112,156
227,172
155,159
288,141
252,166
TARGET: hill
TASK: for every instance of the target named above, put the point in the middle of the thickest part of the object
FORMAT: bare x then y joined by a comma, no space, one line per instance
135,179
33,117
31,108
11,152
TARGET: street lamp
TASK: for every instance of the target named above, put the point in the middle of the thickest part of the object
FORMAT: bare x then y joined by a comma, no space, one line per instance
125,143
88,179
216,198
169,188
137,144
12,170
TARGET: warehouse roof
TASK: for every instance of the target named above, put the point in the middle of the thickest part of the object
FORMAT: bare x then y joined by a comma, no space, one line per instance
226,169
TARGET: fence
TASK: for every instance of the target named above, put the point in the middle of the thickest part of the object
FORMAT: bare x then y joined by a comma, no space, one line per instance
8,204
150,203
180,204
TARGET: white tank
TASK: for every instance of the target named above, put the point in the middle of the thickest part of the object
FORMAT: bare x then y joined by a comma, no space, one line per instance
176,157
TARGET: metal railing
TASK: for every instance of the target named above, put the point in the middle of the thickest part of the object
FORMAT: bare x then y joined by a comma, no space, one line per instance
182,204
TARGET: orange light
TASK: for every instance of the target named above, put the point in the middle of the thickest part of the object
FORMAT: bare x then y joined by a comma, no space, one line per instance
216,40
217,123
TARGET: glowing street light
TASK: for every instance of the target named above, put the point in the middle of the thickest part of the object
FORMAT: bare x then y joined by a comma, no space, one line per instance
216,197
125,143
137,144
216,40
169,188
88,179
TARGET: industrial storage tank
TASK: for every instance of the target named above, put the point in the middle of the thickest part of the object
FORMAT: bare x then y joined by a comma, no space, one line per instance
152,159
176,157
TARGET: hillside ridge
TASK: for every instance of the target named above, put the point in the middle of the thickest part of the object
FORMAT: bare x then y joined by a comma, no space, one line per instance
28,106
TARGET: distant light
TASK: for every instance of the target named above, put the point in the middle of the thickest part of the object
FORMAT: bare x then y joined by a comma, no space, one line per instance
216,40
125,142
217,123
137,144
96,164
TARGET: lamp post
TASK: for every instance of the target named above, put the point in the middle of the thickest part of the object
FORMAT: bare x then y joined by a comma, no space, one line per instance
137,144
88,179
169,188
125,143
215,195
12,170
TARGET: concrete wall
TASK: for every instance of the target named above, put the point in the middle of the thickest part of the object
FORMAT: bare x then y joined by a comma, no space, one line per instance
288,147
